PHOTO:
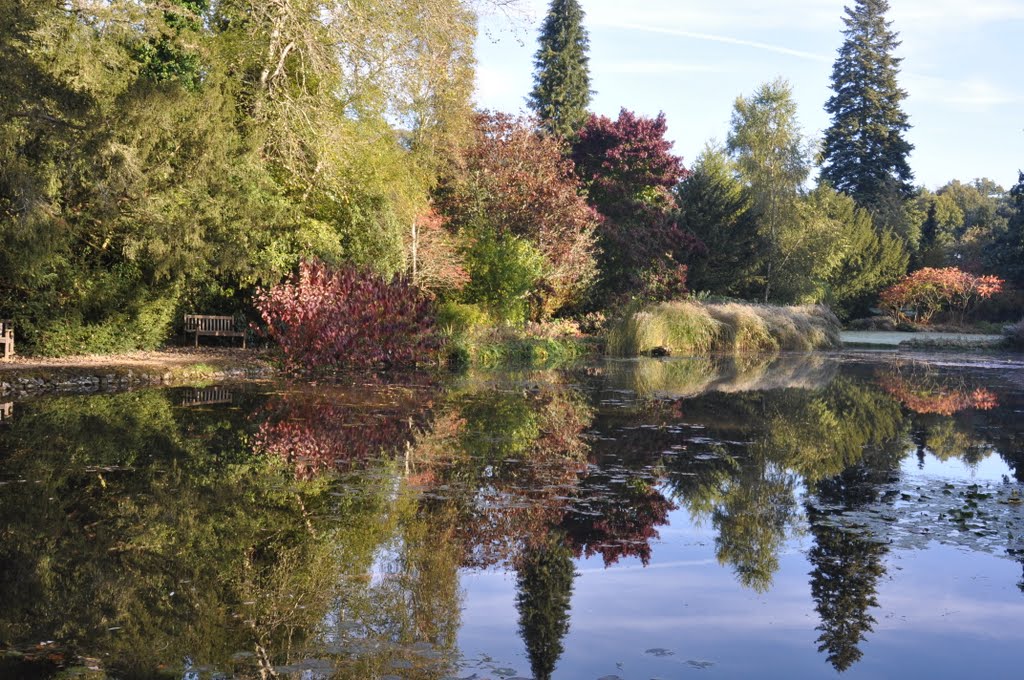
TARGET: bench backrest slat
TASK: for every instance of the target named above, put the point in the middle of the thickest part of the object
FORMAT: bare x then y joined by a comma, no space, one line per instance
208,323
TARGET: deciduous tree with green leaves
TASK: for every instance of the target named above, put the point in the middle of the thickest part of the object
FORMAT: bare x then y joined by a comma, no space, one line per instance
772,159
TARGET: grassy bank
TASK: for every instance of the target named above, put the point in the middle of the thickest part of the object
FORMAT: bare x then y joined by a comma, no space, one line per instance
691,328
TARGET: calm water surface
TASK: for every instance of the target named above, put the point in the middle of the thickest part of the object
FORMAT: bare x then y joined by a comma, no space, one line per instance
799,517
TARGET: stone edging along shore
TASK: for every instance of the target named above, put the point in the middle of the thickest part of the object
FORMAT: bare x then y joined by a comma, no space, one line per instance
30,376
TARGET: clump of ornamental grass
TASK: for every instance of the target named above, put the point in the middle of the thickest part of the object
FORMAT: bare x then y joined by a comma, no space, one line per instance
691,328
679,327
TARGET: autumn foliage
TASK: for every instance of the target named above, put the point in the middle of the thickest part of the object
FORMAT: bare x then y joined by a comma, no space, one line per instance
512,184
435,263
327,318
629,170
926,292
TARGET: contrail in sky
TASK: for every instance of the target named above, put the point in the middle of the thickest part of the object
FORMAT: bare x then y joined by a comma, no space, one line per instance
711,37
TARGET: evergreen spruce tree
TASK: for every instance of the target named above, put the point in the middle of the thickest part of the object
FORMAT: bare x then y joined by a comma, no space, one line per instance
561,90
864,152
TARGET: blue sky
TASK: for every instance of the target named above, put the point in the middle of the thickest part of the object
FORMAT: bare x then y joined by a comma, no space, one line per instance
963,70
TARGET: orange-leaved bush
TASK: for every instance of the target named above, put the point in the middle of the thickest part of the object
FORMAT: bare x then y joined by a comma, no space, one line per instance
329,318
926,292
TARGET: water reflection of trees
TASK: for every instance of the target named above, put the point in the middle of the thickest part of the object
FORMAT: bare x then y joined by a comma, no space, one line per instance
544,583
138,534
848,562
275,543
922,390
506,460
333,427
736,461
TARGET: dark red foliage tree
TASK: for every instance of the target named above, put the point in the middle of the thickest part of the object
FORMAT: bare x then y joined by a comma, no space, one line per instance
326,318
629,170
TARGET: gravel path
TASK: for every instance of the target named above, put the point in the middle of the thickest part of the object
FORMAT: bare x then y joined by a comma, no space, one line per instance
153,362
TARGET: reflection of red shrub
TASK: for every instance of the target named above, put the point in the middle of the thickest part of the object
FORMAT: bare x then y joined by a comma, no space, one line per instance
924,396
328,318
617,525
318,432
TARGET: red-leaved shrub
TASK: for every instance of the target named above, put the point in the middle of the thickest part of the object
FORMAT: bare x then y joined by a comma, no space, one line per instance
929,291
328,318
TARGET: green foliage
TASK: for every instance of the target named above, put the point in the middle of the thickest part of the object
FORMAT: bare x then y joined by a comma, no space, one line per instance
864,151
162,522
864,260
561,80
770,155
844,585
544,583
457,318
504,271
161,154
143,324
519,349
716,209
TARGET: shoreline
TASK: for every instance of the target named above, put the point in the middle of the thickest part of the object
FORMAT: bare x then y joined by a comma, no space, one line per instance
28,376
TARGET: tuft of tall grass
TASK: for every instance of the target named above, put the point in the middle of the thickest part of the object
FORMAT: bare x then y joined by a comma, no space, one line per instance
692,328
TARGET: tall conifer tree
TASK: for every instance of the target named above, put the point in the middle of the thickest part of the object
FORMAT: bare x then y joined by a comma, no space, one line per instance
561,89
864,151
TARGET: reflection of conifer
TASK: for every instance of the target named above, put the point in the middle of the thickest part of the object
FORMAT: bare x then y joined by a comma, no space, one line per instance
1019,555
843,584
847,566
544,583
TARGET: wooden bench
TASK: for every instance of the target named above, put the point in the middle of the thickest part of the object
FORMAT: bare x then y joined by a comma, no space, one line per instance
6,339
217,326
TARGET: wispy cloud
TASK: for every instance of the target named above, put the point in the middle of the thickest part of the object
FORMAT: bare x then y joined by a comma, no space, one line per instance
728,40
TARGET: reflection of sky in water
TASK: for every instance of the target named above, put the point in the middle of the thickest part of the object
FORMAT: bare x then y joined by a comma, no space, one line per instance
991,469
943,612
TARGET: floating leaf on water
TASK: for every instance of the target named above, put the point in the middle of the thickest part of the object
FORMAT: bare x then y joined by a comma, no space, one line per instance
660,651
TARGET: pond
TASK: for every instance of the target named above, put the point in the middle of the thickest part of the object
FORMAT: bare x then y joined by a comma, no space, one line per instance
793,517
